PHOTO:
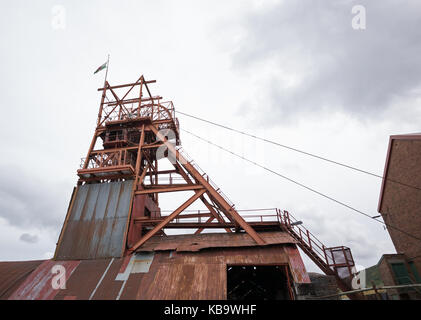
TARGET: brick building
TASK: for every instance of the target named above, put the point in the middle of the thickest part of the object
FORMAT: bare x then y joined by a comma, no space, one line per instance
392,270
400,197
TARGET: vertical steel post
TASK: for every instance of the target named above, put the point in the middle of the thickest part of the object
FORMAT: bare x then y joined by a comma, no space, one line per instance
308,237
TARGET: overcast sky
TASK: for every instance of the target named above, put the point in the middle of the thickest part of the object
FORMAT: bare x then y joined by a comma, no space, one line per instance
291,71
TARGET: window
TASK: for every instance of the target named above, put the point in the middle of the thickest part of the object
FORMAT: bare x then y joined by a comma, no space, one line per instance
414,271
401,273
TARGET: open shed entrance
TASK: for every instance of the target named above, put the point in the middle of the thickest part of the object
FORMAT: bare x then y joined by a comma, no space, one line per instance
258,283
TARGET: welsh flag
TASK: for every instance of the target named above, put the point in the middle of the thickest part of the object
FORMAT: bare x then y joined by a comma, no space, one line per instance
101,67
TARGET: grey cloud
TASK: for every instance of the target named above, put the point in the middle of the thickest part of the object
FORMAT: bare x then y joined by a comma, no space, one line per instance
360,72
26,201
26,237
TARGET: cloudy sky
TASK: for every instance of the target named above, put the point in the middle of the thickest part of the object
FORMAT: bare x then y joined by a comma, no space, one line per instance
295,72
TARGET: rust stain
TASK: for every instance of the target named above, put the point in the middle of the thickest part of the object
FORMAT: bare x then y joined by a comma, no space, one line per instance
97,222
38,285
175,275
13,273
297,267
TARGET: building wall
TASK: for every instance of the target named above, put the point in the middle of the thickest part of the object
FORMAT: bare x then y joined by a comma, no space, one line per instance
390,277
383,275
401,198
203,275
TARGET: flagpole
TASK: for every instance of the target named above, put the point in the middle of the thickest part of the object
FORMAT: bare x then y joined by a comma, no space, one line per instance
106,71
104,95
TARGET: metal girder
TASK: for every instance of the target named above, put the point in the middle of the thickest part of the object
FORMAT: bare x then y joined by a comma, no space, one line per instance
128,85
120,101
217,225
134,157
170,189
214,225
147,220
167,220
218,198
152,146
142,176
113,103
198,231
180,170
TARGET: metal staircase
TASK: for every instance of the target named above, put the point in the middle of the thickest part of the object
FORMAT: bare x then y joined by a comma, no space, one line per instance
335,261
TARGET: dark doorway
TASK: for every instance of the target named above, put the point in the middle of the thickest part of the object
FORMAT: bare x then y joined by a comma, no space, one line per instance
257,283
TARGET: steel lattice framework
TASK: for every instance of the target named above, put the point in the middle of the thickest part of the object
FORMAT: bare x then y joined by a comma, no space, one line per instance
136,132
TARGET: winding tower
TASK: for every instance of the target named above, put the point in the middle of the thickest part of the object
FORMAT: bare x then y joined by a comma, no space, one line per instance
114,209
120,182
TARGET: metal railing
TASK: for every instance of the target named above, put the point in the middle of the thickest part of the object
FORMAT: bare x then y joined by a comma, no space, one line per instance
304,235
336,259
130,109
204,175
109,158
170,179
269,217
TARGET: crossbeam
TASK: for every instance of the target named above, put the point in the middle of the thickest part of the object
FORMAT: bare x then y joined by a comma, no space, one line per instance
167,220
134,100
213,225
127,85
170,189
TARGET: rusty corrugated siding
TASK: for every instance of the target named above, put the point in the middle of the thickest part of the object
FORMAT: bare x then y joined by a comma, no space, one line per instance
84,279
212,240
109,287
13,273
169,274
38,285
97,222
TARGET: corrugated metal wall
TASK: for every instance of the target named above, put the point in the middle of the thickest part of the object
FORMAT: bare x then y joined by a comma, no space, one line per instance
97,222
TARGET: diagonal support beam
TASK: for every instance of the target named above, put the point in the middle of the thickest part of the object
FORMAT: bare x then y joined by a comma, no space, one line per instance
119,102
198,231
142,176
167,220
181,171
211,191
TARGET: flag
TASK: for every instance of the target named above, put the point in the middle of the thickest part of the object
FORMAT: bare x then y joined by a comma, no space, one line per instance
101,67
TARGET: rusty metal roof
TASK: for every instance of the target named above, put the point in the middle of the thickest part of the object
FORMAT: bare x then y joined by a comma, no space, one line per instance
179,273
191,242
38,284
97,222
13,273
